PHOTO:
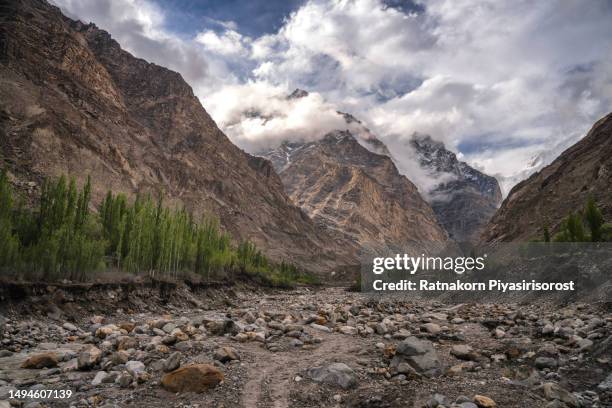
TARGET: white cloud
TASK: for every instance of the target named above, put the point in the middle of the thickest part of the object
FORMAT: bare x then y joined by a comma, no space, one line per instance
505,82
228,43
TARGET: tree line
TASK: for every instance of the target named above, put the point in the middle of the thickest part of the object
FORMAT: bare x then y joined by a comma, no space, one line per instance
62,239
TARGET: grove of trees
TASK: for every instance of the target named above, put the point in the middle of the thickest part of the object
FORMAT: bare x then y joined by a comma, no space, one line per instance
62,239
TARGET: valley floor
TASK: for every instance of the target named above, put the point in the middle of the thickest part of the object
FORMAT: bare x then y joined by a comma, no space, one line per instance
280,348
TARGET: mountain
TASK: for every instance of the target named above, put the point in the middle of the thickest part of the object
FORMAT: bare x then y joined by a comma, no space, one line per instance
355,192
464,199
583,170
72,101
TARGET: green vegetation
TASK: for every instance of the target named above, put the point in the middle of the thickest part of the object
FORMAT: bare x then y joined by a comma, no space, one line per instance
62,239
587,225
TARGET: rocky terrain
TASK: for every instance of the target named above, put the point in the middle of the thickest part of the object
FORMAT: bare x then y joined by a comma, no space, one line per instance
350,189
73,102
465,199
240,347
546,197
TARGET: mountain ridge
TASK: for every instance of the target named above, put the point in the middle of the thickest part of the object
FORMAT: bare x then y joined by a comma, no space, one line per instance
74,102
547,196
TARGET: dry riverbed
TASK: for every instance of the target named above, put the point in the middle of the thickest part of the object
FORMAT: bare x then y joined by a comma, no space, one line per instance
302,348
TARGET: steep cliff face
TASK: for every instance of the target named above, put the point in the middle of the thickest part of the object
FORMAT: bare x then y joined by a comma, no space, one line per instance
355,192
464,199
72,101
583,170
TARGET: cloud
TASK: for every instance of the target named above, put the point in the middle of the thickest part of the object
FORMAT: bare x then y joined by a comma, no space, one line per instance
506,84
227,43
257,115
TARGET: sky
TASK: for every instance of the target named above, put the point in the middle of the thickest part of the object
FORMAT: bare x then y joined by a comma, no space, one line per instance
507,85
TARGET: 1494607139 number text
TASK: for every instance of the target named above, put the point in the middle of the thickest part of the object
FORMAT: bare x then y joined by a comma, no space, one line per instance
40,394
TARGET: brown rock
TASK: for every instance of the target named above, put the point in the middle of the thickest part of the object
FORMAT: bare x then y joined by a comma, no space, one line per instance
225,354
127,326
43,360
126,343
484,401
192,378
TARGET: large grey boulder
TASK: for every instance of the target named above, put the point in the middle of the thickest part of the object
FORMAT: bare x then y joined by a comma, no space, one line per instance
414,356
336,374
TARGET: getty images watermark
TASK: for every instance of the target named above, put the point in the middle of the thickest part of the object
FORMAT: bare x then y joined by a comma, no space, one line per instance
565,271
458,265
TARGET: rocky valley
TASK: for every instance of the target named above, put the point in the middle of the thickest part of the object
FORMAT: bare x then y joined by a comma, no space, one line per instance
139,298
244,347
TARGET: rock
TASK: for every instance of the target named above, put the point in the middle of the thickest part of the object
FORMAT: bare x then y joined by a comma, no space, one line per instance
124,380
42,360
192,378
70,327
350,330
606,385
99,378
296,343
172,362
126,343
120,357
97,319
104,331
484,401
431,328
135,368
415,356
127,326
320,327
435,401
553,391
464,352
225,354
336,374
381,328
220,327
546,362
584,344
89,357
168,327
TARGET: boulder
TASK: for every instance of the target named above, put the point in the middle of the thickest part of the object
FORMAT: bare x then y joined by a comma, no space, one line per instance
172,362
135,368
554,391
336,374
192,378
484,402
89,357
42,360
464,352
225,354
415,356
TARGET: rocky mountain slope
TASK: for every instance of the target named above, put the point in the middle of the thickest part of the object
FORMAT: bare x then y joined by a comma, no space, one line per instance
465,199
72,101
547,196
357,192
